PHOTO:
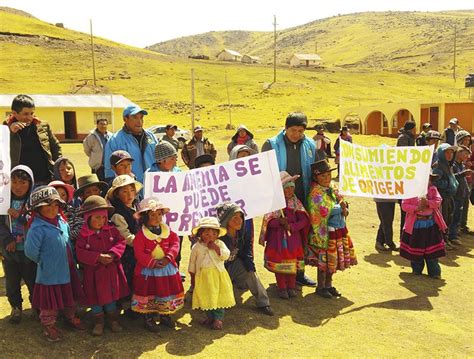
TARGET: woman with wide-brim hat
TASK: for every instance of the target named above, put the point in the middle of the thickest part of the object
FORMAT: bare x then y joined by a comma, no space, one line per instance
329,246
99,248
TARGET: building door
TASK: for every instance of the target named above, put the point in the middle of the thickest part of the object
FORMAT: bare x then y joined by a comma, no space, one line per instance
70,125
434,115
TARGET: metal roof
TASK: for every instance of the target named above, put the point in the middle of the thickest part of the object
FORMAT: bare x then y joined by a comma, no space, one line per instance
307,56
84,101
232,52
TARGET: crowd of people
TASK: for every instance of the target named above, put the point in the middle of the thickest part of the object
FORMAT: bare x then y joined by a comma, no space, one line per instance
95,241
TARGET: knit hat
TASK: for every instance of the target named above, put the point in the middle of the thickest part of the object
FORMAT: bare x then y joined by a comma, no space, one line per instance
67,187
209,222
122,181
93,203
409,125
321,167
206,158
87,181
226,210
453,121
461,135
43,196
118,156
427,125
164,150
296,119
151,204
432,134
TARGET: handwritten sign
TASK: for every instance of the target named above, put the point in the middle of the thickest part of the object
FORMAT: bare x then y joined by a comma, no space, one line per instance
252,182
384,172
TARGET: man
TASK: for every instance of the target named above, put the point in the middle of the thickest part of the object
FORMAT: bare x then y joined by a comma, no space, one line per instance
432,139
140,144
295,153
421,139
449,134
170,131
32,142
94,145
197,146
323,143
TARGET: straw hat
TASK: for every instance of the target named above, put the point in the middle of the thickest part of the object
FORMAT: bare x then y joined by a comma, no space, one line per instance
209,222
44,196
87,181
95,202
122,181
151,204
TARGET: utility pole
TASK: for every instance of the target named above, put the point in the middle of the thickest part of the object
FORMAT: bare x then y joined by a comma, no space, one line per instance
228,101
193,107
454,55
92,50
274,49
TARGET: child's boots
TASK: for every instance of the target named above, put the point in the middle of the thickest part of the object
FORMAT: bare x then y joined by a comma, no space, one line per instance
112,319
98,329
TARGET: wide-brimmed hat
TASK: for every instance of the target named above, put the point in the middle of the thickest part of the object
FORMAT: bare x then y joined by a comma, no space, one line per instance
321,167
209,222
285,177
122,181
432,134
87,181
164,150
118,156
67,187
43,196
95,202
151,204
226,210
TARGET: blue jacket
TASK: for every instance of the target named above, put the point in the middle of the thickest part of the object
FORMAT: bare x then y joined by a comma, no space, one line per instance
446,181
123,140
47,245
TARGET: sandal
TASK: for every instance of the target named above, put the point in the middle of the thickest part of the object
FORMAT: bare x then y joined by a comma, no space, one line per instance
217,324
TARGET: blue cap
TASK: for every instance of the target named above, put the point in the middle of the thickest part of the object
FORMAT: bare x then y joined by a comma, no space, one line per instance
133,109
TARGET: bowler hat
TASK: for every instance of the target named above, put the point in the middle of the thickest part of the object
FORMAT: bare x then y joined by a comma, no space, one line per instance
95,202
88,181
320,167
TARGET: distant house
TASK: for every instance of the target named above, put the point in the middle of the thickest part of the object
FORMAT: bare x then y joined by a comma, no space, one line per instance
72,116
229,55
248,59
305,60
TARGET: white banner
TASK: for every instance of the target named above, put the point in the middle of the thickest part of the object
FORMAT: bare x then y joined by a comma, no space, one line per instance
384,172
252,182
5,168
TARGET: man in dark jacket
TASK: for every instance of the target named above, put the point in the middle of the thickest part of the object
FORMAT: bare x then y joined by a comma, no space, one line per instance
449,134
406,135
197,146
32,143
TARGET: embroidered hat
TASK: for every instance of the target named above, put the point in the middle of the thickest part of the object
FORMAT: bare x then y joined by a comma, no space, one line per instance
87,181
151,204
163,150
225,212
67,187
118,156
95,202
122,181
462,134
321,167
205,158
432,134
43,196
296,119
285,177
209,222
133,109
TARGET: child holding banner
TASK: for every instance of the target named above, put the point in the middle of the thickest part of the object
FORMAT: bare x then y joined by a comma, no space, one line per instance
212,285
329,246
157,285
422,238
284,233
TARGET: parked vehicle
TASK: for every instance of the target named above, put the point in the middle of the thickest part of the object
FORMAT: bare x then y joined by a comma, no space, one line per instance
181,135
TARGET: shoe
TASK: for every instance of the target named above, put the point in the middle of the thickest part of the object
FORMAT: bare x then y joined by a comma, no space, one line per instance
151,325
267,310
437,276
455,242
167,321
283,294
381,247
292,293
416,273
98,329
304,280
76,324
15,316
448,245
114,325
393,247
183,276
52,333
217,324
323,292
334,292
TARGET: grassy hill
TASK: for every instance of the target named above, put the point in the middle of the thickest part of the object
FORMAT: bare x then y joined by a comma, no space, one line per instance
400,41
38,57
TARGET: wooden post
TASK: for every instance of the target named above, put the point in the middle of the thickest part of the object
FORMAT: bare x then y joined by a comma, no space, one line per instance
92,50
193,108
228,101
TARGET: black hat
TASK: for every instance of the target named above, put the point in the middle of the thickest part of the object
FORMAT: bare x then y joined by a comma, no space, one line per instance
344,128
319,127
409,125
320,167
296,119
206,158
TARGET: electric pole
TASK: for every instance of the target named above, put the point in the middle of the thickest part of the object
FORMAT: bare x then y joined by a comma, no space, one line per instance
193,106
454,55
228,101
274,49
92,50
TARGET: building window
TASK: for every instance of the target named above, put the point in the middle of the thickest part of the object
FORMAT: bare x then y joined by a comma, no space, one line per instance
384,121
395,121
102,116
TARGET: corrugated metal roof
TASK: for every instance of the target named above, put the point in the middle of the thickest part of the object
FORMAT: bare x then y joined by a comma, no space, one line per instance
307,57
232,52
84,101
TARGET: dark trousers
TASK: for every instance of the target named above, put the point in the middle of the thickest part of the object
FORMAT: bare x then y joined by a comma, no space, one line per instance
447,209
432,265
456,218
402,218
100,172
17,267
465,211
178,257
386,213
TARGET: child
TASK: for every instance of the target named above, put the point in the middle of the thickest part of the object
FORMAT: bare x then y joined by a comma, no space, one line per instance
212,285
64,171
123,197
329,246
346,136
47,244
16,265
422,238
157,285
99,248
284,232
121,164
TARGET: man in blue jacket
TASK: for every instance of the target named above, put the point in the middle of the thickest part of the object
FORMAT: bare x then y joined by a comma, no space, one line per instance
133,139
